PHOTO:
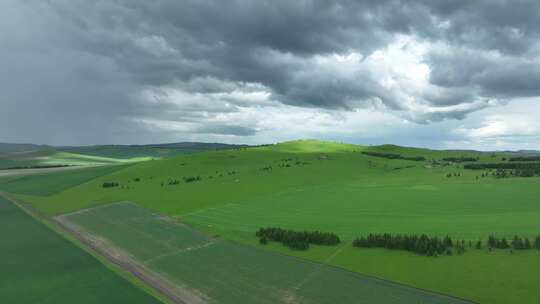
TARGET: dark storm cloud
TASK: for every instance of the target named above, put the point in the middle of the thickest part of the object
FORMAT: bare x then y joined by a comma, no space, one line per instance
79,67
491,74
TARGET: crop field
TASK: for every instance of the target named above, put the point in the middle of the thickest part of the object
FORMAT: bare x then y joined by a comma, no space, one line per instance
216,271
48,184
349,190
39,266
51,158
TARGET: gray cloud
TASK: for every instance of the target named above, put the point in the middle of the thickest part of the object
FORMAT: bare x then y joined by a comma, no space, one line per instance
93,68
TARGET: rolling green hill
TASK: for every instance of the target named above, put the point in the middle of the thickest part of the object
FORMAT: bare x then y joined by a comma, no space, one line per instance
350,190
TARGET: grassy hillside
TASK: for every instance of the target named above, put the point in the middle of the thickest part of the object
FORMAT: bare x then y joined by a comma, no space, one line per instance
39,266
350,190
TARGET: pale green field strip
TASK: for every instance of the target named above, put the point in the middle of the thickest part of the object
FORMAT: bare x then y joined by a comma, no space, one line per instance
218,271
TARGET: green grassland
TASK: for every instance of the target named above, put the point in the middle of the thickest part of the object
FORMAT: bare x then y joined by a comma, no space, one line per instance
335,187
39,266
223,272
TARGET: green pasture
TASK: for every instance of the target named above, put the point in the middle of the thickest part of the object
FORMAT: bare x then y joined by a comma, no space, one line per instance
233,176
222,272
470,210
334,187
39,266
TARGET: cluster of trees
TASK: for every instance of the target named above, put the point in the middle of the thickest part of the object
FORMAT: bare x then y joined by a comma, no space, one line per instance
462,159
191,179
298,240
508,169
110,184
524,158
420,244
455,174
494,166
518,243
172,182
394,156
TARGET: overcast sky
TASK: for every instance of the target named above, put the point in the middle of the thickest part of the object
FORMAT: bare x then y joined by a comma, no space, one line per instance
442,74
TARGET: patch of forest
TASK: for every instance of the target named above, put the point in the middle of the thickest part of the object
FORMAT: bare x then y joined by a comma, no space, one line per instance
298,240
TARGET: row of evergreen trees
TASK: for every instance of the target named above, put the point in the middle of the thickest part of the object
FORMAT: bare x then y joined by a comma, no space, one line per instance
421,244
510,165
298,240
432,246
518,243
524,158
394,156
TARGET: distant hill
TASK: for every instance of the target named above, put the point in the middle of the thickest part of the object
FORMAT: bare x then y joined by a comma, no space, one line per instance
150,150
8,148
19,156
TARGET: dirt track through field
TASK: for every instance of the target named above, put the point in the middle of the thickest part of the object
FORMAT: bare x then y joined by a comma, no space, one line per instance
171,290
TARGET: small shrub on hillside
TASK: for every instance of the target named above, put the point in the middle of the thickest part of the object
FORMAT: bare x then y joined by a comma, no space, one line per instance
191,179
110,184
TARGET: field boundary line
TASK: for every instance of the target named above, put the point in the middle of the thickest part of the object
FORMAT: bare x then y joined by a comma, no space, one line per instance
368,276
192,248
57,227
171,290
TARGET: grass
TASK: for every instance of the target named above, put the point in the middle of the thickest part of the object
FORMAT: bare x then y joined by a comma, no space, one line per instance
334,187
49,184
39,266
462,210
225,272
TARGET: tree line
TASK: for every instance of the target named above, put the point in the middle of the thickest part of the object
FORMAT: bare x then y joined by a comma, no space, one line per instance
508,169
461,159
513,166
524,159
433,246
420,244
518,243
298,240
394,156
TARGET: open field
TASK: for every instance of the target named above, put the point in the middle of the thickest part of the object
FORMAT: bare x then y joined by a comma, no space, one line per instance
51,158
214,271
337,188
53,182
39,266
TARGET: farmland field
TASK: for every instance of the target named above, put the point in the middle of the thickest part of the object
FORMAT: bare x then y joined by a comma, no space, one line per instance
48,184
39,266
311,185
216,271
